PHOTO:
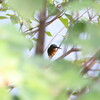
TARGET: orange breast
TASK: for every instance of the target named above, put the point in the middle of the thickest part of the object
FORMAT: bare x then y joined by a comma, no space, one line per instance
53,52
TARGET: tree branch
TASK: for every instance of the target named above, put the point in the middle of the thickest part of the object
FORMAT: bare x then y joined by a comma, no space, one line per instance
89,63
46,24
41,34
68,52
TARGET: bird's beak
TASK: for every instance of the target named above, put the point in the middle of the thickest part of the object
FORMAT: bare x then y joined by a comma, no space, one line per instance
58,47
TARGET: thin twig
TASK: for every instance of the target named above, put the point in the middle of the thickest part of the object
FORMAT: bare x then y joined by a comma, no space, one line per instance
86,62
89,63
89,15
83,14
94,69
46,24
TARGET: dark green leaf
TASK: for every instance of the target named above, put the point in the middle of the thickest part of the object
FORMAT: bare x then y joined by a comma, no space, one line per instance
69,17
52,10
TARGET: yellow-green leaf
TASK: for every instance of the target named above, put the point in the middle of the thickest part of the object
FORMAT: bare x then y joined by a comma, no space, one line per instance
3,17
48,33
64,21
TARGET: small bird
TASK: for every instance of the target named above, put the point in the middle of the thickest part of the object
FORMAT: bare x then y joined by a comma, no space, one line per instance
52,50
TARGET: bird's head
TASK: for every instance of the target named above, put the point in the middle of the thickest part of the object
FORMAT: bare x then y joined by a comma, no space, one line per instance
54,46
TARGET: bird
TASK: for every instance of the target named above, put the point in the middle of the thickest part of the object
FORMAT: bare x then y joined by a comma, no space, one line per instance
52,50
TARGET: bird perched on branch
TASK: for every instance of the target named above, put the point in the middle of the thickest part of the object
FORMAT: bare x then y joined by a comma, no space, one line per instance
52,50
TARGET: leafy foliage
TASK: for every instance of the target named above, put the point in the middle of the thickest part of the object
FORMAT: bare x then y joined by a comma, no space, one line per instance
39,78
26,12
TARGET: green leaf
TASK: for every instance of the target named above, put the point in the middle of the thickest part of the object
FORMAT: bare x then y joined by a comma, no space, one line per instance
79,5
52,10
51,1
64,69
84,35
48,33
34,39
91,40
92,95
3,9
74,32
98,55
14,19
9,15
4,95
64,0
64,21
3,17
70,17
27,9
12,41
4,6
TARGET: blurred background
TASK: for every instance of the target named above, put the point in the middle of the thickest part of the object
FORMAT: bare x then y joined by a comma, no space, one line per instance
27,30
